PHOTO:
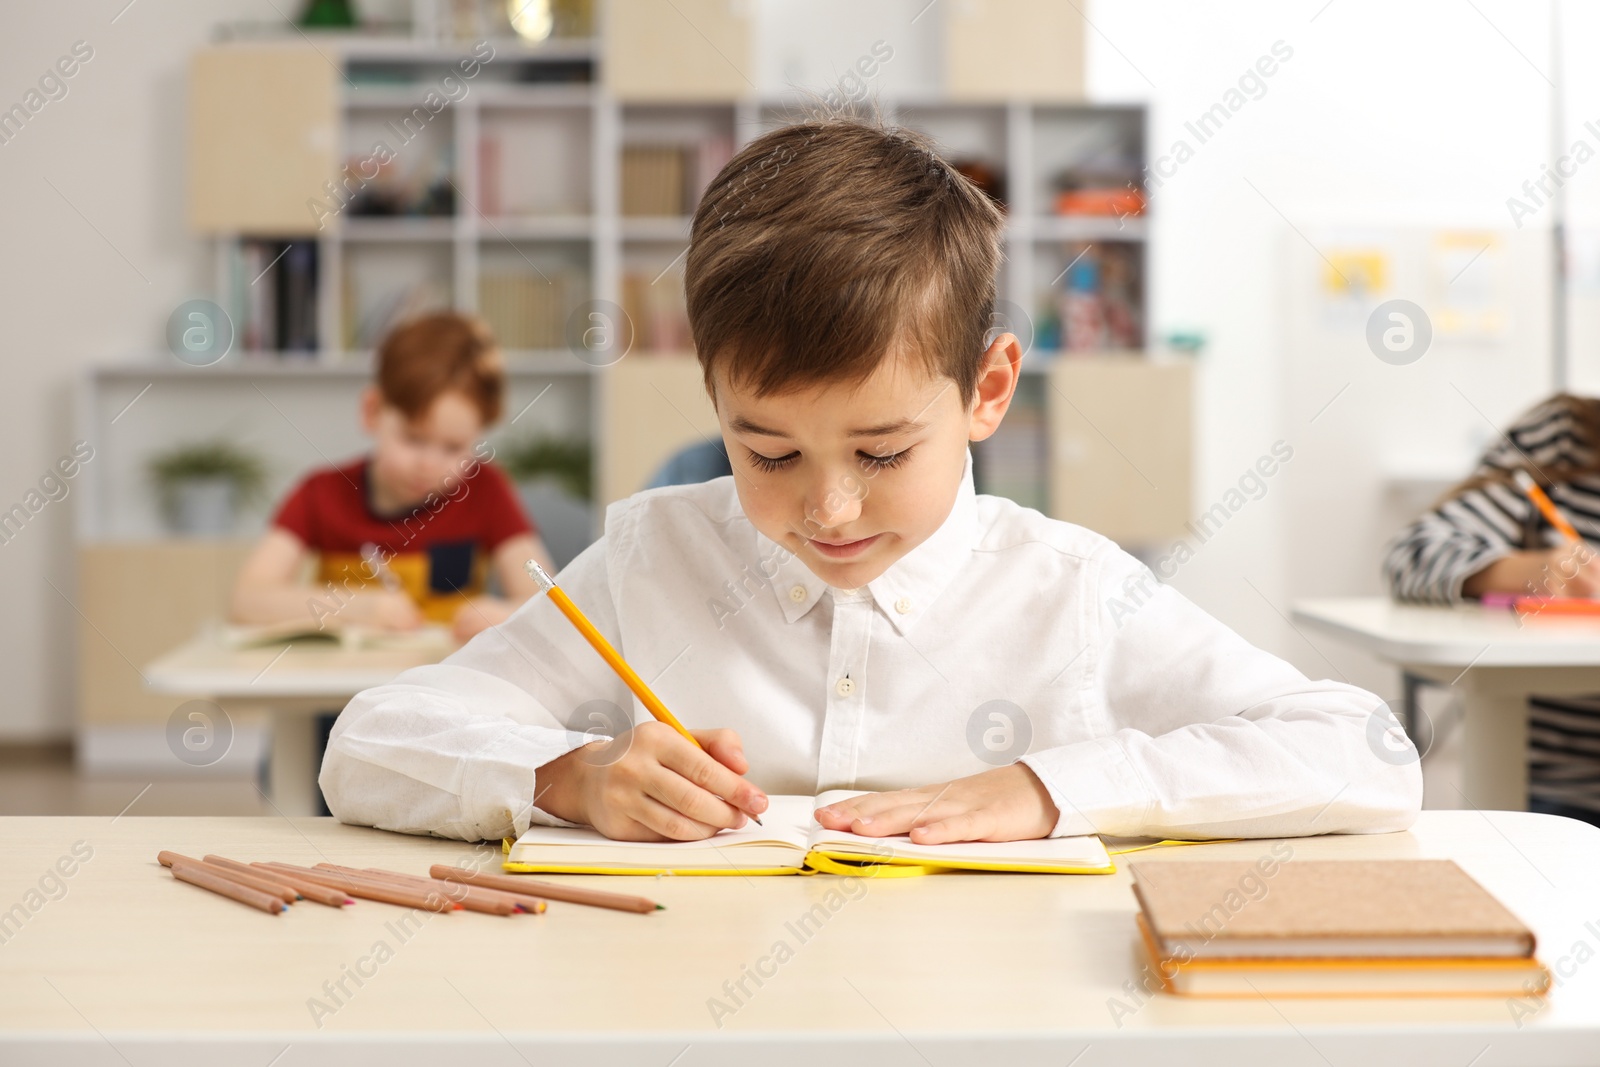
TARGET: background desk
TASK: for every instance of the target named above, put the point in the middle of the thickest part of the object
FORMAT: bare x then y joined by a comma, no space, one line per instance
946,969
290,683
1493,659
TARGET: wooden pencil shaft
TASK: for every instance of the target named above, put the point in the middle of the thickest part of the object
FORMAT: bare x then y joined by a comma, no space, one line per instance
369,888
312,891
471,900
451,888
629,676
572,894
614,658
255,881
200,876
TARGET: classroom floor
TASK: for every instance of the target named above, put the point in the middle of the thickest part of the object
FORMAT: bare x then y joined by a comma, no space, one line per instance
48,784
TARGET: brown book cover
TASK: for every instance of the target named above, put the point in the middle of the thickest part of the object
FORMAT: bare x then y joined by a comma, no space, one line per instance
1254,979
1325,908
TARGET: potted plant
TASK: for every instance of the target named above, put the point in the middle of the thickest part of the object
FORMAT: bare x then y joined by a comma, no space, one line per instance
203,484
555,479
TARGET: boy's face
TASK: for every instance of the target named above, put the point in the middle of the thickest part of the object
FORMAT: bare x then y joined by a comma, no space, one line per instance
412,457
852,477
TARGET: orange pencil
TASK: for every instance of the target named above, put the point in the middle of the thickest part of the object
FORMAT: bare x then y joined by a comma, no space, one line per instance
1546,506
614,658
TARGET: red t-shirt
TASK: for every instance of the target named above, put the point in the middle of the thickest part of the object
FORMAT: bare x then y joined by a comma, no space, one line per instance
439,549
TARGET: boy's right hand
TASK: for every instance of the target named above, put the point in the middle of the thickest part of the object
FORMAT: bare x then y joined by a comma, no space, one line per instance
649,784
381,609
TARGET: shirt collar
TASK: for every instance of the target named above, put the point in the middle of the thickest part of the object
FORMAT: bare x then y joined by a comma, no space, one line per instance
905,591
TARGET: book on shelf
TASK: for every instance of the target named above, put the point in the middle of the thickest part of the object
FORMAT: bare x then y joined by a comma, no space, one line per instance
668,179
274,295
1096,303
655,304
366,328
524,310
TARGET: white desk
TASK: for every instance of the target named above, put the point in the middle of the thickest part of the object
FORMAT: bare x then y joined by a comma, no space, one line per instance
130,966
1494,660
290,683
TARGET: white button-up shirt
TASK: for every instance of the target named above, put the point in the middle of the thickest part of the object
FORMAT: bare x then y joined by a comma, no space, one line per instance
1004,636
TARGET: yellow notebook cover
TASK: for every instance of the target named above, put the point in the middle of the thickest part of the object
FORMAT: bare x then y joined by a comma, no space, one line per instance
793,842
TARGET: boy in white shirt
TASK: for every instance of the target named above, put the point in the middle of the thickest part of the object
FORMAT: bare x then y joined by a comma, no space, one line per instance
844,612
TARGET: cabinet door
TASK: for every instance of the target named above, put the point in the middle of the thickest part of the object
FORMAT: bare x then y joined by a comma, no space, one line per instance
683,50
1121,452
651,407
141,600
1013,50
262,125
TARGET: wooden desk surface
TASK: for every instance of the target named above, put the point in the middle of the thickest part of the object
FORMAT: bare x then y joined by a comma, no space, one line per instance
127,962
1454,636
298,669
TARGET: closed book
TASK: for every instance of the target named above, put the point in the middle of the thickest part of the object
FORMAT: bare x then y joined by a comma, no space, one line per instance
1349,977
1325,909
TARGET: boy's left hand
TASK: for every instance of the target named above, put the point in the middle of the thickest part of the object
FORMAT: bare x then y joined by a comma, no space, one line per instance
478,614
1005,804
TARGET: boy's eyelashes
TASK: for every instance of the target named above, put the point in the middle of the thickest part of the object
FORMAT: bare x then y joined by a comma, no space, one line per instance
869,461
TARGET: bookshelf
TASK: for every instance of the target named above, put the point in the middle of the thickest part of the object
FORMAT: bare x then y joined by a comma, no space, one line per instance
566,174
540,194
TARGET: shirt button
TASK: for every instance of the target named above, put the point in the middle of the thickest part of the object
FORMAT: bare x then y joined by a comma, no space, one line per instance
845,687
797,594
903,605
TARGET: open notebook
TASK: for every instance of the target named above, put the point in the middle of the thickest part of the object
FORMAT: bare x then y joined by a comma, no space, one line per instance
793,842
426,636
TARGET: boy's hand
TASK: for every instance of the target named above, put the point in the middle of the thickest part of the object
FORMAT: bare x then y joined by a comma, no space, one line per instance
649,784
1005,804
478,614
380,609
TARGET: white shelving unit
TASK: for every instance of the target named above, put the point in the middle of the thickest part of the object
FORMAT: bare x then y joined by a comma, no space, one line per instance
560,214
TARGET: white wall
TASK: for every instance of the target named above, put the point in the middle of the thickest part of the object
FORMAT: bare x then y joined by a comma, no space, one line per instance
1415,114
1387,115
93,255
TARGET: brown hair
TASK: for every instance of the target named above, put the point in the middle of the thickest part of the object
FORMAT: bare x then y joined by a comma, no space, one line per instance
435,354
1583,417
823,245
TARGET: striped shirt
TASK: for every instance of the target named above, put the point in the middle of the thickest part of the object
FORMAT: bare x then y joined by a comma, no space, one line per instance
1432,557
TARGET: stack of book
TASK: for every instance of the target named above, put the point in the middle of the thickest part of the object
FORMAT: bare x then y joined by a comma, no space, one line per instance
656,307
275,295
1320,928
525,311
667,179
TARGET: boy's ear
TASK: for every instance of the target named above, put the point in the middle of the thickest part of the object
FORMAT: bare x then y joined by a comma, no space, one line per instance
371,404
997,383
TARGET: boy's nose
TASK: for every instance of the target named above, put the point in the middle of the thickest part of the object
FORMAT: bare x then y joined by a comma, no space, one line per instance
832,505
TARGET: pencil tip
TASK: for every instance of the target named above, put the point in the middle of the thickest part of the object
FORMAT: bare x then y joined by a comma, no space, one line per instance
661,907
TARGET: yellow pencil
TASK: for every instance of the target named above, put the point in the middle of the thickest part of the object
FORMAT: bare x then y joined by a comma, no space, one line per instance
598,640
1546,506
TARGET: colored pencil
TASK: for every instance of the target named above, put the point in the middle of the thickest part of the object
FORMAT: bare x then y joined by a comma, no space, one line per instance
312,891
572,894
199,875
